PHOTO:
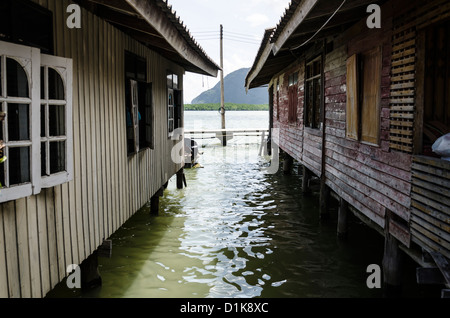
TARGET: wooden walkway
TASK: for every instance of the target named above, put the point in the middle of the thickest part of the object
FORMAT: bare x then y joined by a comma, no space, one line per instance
219,133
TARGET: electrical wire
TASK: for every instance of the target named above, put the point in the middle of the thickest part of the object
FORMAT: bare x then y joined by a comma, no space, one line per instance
320,29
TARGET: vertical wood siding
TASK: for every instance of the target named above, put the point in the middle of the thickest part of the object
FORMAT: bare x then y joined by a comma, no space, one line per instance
41,235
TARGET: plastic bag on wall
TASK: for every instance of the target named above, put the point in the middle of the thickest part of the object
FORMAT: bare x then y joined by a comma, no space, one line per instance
441,147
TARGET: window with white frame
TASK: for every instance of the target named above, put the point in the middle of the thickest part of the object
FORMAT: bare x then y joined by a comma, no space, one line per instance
56,122
35,94
174,103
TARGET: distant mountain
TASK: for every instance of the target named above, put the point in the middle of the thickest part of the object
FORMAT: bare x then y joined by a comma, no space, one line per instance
234,91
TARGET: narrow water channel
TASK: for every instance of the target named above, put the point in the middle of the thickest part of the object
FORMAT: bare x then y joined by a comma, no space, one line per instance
237,232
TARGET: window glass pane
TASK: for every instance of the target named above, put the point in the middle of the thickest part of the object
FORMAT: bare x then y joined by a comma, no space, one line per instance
170,98
141,70
1,85
170,125
42,82
57,120
16,79
19,165
175,81
169,81
170,112
57,156
2,175
55,85
317,113
2,122
43,121
18,122
130,65
43,159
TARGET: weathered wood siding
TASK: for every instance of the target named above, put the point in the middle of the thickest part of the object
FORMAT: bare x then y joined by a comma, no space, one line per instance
291,133
430,215
369,177
41,235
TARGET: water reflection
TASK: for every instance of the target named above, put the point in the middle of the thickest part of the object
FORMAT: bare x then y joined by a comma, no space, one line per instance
236,232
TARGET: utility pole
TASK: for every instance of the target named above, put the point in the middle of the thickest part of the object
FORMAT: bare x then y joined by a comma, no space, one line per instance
222,93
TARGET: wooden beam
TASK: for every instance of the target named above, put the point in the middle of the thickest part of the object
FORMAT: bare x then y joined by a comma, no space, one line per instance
443,264
287,164
259,66
342,224
154,16
114,4
297,18
429,276
105,249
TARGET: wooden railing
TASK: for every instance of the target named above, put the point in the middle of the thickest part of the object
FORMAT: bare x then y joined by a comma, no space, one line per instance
430,204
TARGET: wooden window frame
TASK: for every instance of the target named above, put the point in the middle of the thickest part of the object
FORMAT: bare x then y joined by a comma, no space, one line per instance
136,85
352,103
293,97
30,59
173,104
317,105
278,100
357,103
367,139
64,68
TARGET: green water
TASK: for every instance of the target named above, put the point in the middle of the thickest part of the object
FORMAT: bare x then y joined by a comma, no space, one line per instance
237,232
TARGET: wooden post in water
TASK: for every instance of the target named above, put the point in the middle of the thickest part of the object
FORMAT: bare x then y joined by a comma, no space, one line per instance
222,92
342,227
287,163
180,177
90,276
154,201
305,181
325,197
392,261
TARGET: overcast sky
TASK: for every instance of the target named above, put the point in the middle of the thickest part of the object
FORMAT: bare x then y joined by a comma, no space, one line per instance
244,22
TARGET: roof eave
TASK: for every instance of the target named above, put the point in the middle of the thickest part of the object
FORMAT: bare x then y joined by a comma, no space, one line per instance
301,12
154,16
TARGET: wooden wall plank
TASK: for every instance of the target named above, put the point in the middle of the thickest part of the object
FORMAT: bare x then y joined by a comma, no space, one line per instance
33,243
4,287
12,260
43,241
51,237
93,79
22,247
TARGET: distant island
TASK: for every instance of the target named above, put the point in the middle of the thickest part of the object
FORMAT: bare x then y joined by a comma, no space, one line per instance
234,84
228,106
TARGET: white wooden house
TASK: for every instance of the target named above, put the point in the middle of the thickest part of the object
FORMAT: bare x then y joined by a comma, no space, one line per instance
91,99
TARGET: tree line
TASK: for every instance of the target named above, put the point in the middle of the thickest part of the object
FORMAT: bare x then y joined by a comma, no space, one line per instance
228,106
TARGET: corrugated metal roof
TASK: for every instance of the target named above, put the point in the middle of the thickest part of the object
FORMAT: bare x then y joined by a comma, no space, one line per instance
182,28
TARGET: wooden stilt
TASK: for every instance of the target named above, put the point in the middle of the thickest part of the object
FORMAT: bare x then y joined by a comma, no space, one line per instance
342,226
305,181
392,260
325,197
90,276
154,205
154,201
180,175
287,163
